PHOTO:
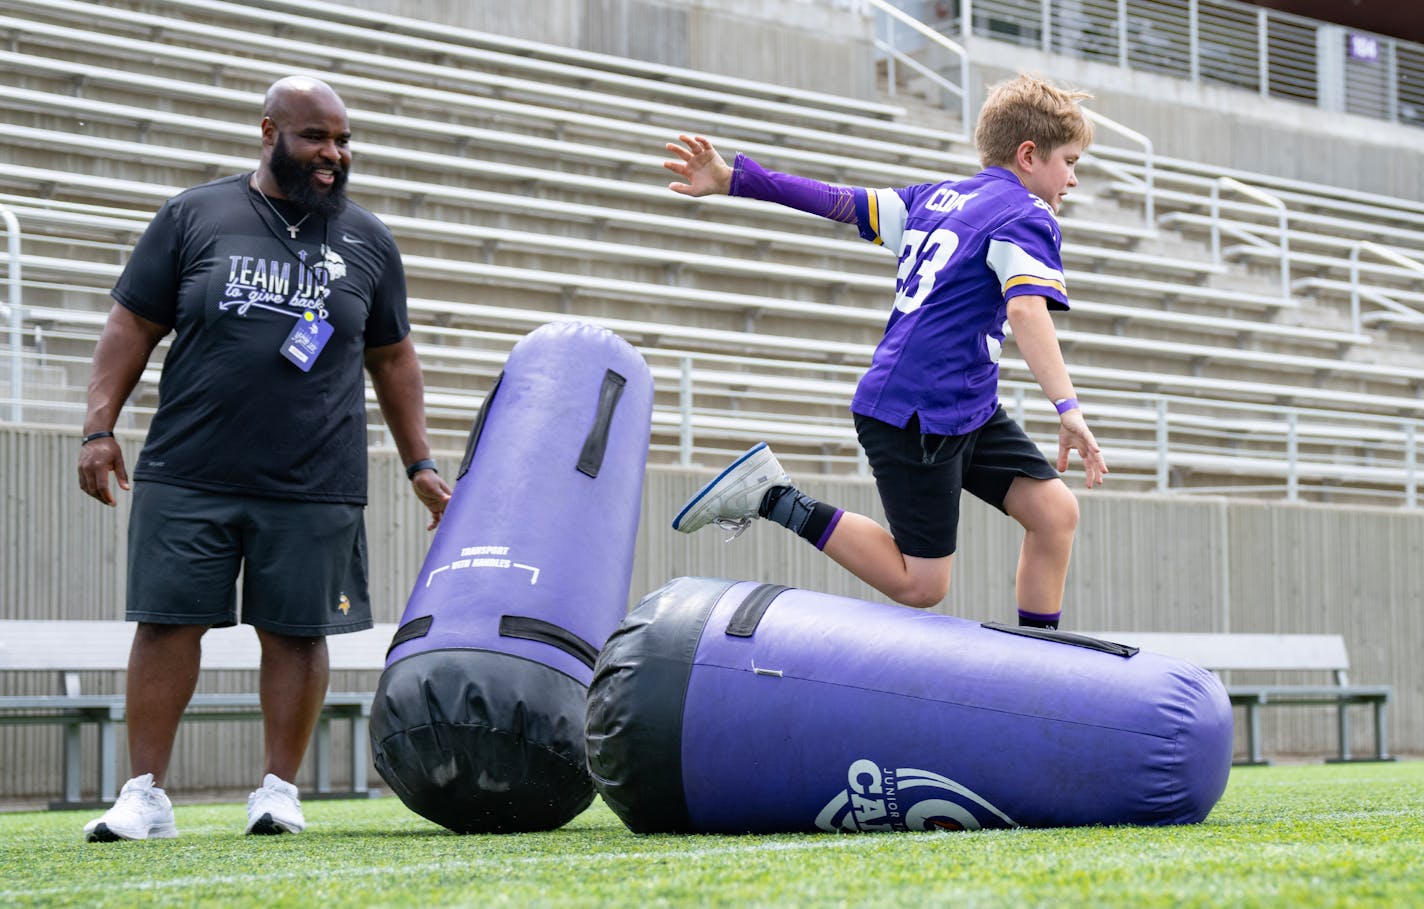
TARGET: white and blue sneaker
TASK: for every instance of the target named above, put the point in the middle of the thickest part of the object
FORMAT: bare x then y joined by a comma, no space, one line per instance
732,498
141,812
274,808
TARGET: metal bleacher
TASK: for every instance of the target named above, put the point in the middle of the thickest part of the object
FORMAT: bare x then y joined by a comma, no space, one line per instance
522,182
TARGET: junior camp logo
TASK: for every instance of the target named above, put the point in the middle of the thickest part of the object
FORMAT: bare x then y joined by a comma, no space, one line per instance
881,799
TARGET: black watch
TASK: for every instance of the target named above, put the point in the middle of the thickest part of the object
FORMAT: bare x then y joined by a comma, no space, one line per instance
423,464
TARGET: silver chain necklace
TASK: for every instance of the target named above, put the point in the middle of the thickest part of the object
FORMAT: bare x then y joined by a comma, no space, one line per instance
291,228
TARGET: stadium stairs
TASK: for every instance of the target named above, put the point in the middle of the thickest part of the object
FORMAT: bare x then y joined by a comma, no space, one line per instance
523,184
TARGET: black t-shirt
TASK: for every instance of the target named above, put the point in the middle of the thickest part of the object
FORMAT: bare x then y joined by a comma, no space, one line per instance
235,415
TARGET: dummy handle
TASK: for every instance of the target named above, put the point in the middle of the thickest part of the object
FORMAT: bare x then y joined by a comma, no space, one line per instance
596,444
1066,637
529,629
478,428
415,628
748,615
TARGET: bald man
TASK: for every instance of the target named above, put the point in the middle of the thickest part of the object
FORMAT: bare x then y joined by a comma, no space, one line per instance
278,291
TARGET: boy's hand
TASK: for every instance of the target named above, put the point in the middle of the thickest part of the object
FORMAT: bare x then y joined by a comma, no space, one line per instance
703,171
1073,434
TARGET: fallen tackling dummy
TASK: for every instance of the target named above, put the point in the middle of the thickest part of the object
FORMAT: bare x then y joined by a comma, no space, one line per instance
733,707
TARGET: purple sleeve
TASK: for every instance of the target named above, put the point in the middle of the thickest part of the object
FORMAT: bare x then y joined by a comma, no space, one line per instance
1026,255
751,180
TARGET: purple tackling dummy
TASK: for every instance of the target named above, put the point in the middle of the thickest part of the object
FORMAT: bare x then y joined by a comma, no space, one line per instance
477,722
735,707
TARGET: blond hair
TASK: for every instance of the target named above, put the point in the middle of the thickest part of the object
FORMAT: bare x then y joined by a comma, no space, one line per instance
1029,109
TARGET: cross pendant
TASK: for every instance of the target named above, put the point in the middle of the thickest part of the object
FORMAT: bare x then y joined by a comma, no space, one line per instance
292,231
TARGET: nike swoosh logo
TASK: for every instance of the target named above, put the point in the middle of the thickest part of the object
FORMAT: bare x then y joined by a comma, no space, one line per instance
347,238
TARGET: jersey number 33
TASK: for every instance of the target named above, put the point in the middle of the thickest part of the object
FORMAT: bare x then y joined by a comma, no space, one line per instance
923,255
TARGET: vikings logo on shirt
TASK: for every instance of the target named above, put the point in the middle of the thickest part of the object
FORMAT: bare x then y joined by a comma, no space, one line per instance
881,799
333,263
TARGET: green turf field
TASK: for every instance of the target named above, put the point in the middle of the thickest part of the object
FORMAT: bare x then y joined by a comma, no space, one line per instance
1315,835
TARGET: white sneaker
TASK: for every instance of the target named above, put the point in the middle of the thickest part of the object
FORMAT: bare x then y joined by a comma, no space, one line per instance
142,811
732,498
274,808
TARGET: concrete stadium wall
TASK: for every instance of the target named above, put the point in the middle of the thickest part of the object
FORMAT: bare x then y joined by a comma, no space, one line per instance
1142,563
1232,128
822,45
810,44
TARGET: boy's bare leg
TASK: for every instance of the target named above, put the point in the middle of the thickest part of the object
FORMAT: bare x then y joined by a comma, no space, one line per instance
1048,512
865,549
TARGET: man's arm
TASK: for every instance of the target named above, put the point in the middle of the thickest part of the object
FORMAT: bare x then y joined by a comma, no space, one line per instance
124,347
1038,343
400,390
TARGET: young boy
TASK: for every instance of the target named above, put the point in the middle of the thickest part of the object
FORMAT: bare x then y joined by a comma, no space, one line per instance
973,254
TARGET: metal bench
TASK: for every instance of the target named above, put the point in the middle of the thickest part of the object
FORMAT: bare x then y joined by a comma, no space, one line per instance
1279,653
69,647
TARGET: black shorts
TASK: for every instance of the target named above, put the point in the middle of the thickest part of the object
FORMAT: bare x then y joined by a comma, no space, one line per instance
303,563
920,475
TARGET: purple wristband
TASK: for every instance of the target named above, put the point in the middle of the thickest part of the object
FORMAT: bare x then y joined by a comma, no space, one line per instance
1063,405
752,181
830,529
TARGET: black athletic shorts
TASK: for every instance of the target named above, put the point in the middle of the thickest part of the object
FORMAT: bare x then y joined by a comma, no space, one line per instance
303,563
920,475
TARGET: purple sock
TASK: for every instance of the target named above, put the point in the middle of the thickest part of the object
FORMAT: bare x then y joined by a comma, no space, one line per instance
1048,620
830,529
809,519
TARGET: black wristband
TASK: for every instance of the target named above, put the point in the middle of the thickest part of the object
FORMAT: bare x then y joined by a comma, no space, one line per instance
96,435
423,464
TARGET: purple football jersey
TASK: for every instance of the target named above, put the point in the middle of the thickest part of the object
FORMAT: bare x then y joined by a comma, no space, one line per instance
966,248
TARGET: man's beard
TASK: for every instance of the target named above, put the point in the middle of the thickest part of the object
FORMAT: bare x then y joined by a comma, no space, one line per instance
295,181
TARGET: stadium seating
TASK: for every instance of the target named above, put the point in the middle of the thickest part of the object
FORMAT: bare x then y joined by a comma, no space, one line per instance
523,184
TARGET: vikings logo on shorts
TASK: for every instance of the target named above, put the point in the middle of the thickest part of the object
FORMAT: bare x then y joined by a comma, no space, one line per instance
881,799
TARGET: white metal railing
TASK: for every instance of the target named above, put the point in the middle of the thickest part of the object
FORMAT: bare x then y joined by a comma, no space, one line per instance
1223,42
889,16
1167,443
1394,310
1157,442
1270,201
15,310
1284,449
1147,180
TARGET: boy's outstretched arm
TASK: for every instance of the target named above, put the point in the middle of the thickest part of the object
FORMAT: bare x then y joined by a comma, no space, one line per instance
705,173
1038,343
702,169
